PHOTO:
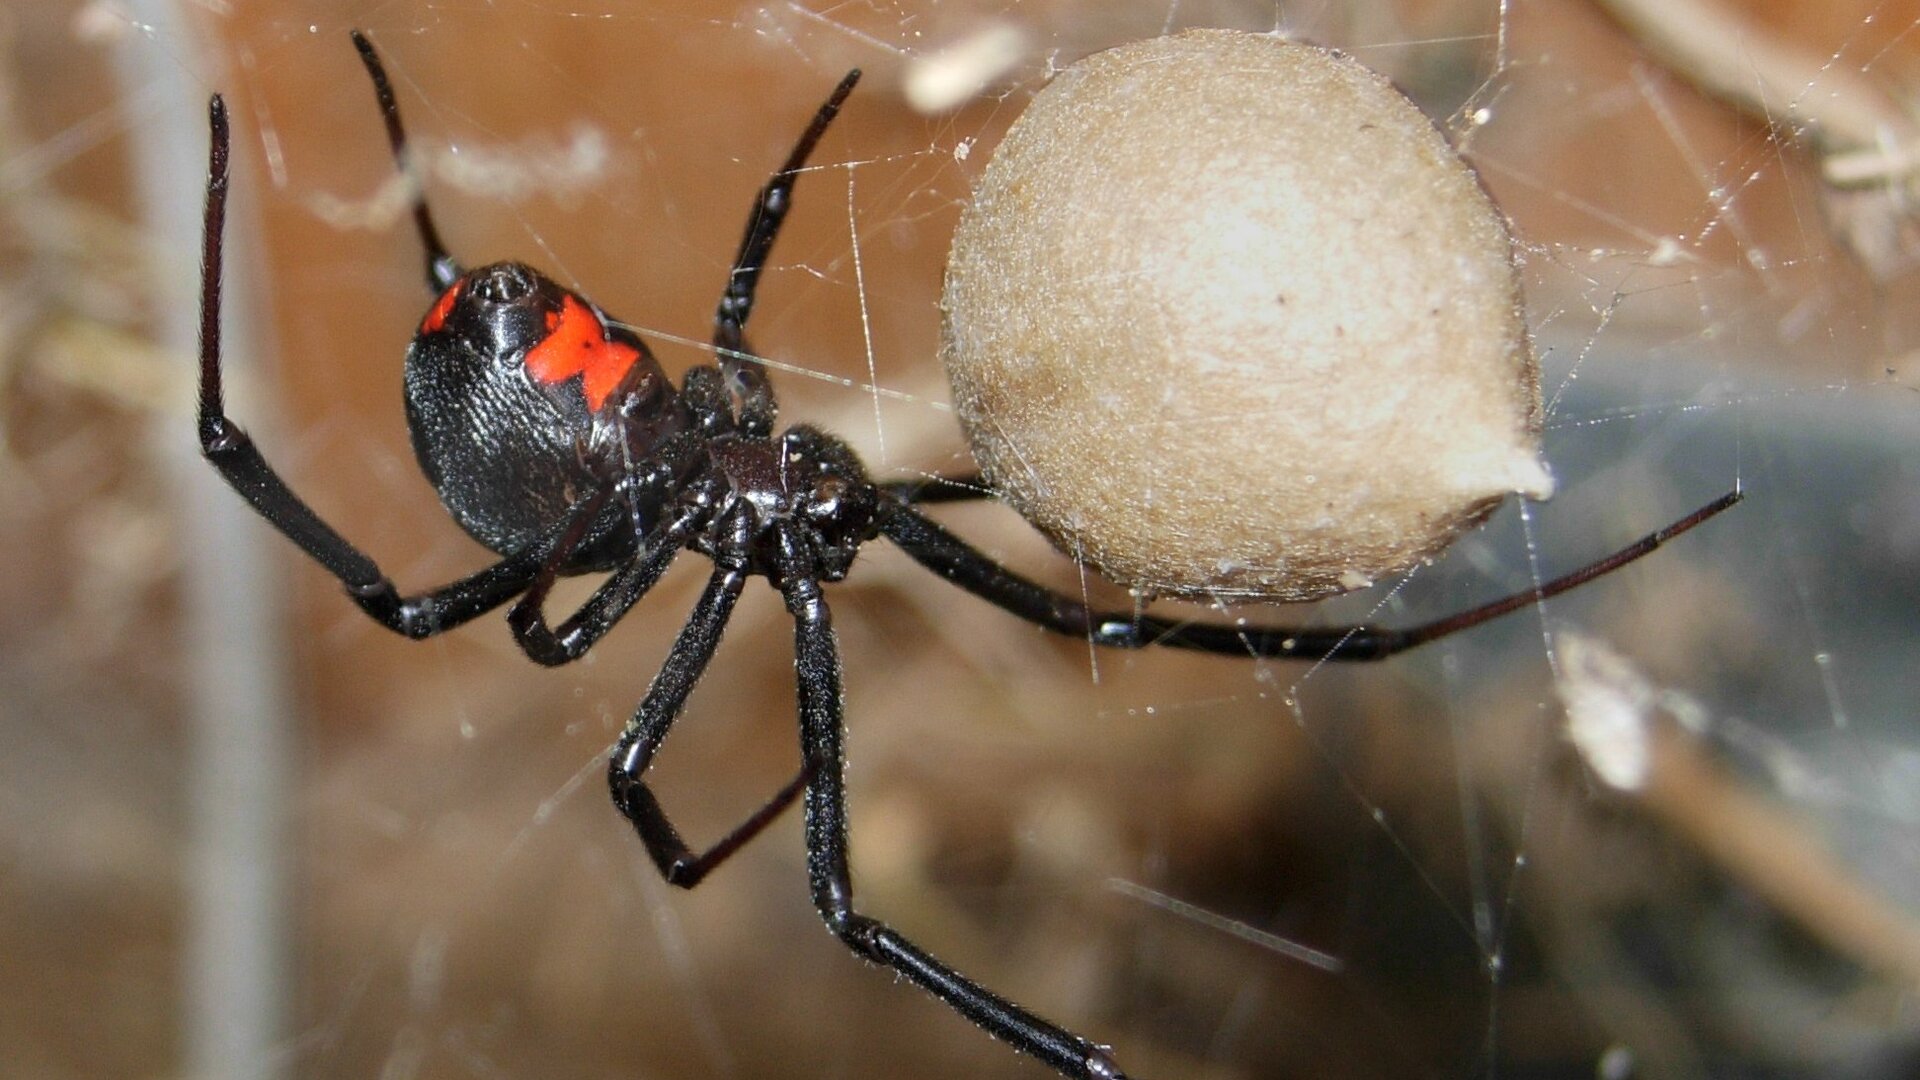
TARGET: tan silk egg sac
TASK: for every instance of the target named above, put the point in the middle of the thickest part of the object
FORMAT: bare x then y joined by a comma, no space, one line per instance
1228,317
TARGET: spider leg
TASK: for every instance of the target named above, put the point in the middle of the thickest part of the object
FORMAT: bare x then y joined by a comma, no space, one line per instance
233,454
736,304
626,771
677,862
817,661
442,270
552,647
939,489
959,562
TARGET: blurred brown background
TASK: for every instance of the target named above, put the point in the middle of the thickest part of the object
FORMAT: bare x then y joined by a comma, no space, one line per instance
460,899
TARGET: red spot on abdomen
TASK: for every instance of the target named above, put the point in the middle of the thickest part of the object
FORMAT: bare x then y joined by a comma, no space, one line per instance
576,344
437,317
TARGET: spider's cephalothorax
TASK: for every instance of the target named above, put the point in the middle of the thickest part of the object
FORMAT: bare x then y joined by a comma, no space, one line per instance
800,502
555,439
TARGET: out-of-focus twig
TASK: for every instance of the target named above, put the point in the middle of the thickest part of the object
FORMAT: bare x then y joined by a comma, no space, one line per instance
1611,714
1865,136
1795,89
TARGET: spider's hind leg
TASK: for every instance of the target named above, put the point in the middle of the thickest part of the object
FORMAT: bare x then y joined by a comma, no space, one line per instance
442,270
241,464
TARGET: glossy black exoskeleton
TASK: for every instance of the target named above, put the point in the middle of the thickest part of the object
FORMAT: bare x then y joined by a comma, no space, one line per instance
509,452
523,399
556,440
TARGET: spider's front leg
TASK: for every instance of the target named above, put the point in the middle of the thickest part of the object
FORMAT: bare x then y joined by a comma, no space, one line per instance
744,375
817,662
921,490
442,270
240,463
966,566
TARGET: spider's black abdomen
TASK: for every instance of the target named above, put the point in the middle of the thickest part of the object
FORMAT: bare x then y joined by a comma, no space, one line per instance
514,387
505,458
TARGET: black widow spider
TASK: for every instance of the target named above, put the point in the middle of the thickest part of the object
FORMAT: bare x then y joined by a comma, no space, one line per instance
555,439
